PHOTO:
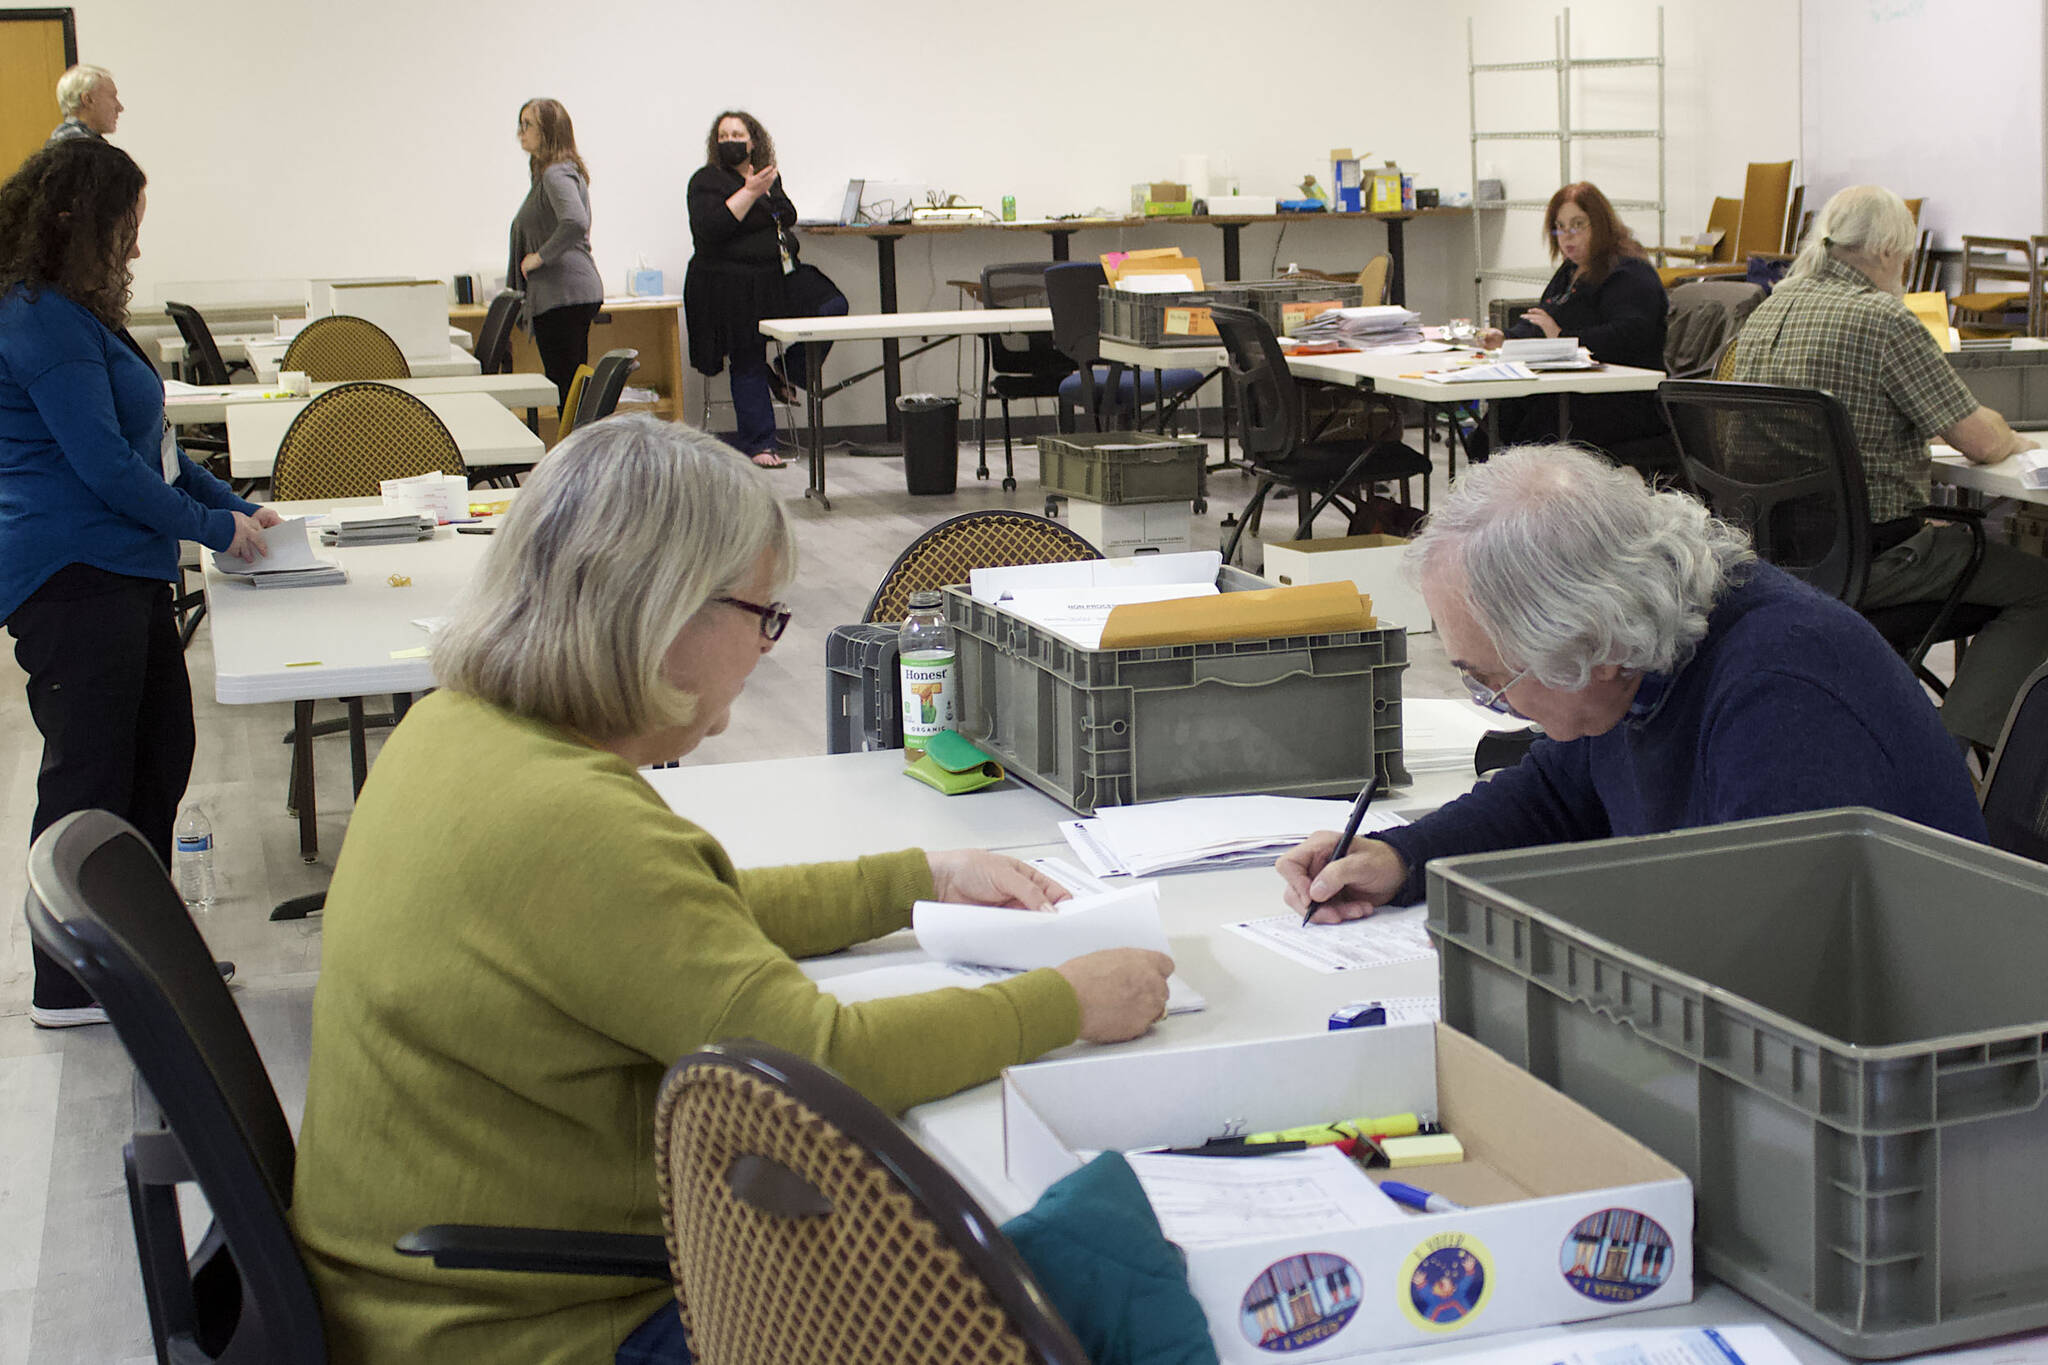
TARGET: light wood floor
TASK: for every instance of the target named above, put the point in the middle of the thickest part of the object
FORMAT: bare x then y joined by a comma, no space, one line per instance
69,1293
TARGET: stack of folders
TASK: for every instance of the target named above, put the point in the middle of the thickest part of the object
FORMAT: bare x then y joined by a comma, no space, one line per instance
1378,325
288,561
1205,832
376,526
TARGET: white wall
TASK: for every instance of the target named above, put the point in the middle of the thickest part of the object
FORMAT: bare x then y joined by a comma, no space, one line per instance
371,137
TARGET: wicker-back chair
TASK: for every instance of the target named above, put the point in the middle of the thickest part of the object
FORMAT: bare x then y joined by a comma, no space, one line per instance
975,540
333,349
804,1225
350,439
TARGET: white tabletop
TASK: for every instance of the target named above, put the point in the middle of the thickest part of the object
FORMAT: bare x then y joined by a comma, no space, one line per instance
2001,480
1252,993
301,644
871,326
485,431
265,355
512,390
233,345
1399,375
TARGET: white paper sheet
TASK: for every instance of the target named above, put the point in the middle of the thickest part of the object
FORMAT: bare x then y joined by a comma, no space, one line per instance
287,549
1079,614
1498,372
1156,284
1747,1344
1195,566
1203,831
1213,1201
1379,940
1024,939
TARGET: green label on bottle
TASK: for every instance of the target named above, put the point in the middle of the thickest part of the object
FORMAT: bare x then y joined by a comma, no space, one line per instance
930,689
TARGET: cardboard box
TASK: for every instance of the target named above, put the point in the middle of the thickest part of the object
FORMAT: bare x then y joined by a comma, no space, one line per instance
414,313
1133,528
1349,192
1374,563
1566,1217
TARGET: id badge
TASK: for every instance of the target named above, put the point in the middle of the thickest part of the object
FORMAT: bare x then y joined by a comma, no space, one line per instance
782,247
169,453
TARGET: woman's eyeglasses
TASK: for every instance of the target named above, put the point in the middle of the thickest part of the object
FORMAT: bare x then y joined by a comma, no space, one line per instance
1575,230
774,616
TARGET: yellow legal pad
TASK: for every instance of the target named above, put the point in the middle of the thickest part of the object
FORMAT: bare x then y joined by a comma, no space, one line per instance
1311,609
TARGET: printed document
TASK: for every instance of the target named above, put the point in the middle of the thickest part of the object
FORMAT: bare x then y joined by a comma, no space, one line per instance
1212,1201
1379,940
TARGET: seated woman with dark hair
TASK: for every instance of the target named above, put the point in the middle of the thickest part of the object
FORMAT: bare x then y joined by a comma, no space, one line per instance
521,937
1606,294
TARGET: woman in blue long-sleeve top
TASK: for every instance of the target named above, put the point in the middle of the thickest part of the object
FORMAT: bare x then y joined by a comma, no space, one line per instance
94,497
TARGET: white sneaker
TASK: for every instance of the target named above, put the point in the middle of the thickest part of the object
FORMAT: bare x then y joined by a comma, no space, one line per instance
74,1017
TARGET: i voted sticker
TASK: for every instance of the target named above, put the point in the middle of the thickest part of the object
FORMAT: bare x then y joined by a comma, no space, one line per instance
1616,1256
1300,1302
1445,1282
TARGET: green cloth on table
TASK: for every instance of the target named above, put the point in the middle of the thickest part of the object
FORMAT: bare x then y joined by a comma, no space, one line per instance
519,940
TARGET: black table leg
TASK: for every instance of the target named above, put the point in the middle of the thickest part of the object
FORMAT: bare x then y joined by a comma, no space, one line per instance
1062,239
1231,261
1397,273
892,354
814,408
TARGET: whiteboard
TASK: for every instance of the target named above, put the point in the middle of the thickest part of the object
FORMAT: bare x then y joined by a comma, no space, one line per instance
1937,99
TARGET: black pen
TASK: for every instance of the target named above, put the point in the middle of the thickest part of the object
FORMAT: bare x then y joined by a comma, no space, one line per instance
1358,809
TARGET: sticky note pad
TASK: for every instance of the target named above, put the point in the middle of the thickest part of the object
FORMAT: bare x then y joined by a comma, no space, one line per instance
1434,1149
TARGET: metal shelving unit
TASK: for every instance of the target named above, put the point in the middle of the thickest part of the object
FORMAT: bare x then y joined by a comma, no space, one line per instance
1562,65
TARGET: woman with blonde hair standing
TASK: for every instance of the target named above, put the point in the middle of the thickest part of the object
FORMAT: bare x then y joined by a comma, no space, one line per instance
550,253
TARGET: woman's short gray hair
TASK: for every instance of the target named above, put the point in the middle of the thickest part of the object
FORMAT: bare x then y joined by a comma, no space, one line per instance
623,532
1568,562
1866,220
74,85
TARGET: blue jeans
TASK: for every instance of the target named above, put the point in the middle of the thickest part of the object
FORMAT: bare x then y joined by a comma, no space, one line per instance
753,407
657,1341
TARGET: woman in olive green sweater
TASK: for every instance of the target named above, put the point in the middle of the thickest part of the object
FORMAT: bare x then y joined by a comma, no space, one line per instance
521,937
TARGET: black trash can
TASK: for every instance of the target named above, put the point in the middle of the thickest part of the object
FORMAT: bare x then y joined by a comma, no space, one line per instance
931,442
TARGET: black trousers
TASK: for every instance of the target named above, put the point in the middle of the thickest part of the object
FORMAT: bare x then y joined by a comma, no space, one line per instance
562,336
108,691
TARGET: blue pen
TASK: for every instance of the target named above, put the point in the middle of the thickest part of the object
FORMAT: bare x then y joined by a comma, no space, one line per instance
1417,1198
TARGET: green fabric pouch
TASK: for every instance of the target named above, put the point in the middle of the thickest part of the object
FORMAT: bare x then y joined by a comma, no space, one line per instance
953,764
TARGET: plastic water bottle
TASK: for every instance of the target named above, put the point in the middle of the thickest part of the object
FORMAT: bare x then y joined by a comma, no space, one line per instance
194,859
928,661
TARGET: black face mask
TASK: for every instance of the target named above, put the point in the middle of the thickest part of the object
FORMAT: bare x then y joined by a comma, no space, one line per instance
732,154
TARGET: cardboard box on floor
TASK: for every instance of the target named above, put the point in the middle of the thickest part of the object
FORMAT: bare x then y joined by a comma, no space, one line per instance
1373,563
1566,1218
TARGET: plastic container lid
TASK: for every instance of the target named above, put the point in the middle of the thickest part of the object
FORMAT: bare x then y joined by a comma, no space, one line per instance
924,402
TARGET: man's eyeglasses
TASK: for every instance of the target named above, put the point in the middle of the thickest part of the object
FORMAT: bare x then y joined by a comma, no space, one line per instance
774,616
1494,699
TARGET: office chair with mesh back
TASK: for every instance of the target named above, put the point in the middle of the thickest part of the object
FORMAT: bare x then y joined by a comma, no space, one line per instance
494,338
1111,395
2015,795
770,1168
203,363
1705,318
206,1113
1281,454
338,348
1009,370
607,381
1782,464
948,552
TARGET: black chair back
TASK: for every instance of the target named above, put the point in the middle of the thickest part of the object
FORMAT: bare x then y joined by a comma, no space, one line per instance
1021,285
1269,402
101,904
607,381
203,364
2016,788
1073,290
494,338
1782,464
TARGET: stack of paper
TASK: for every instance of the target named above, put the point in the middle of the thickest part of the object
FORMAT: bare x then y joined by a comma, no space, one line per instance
1205,832
1377,325
1529,350
973,945
288,561
2033,466
1440,735
376,526
1505,371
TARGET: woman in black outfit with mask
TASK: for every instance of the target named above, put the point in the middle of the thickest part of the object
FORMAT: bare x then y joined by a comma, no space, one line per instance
746,269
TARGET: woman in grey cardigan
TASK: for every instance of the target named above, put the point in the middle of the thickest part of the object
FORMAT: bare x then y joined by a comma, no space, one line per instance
550,257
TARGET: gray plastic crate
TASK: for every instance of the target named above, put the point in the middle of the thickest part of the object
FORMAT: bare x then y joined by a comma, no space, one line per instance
1140,319
2012,383
863,704
1273,298
1305,715
1116,467
1834,1023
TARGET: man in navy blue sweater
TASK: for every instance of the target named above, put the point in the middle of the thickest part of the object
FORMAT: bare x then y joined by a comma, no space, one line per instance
1679,681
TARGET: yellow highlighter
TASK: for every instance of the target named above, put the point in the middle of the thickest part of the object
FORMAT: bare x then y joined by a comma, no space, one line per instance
1322,1134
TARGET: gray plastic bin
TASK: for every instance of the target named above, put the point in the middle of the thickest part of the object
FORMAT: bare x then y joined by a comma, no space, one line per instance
1119,467
863,701
1834,1023
2012,383
1305,715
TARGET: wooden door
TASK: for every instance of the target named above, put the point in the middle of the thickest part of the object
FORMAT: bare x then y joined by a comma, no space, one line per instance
36,46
